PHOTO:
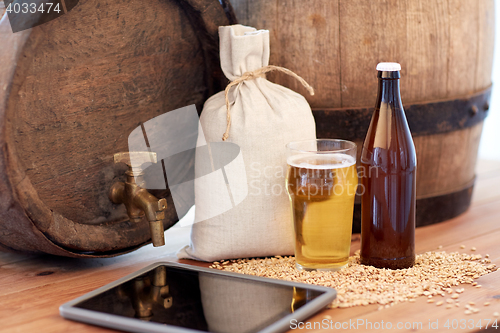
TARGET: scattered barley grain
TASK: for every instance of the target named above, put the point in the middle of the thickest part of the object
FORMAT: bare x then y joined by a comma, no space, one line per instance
434,273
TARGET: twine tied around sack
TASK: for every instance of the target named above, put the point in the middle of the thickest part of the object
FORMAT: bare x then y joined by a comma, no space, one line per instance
253,75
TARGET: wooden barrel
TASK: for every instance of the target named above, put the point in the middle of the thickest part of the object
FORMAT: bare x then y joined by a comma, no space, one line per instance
446,52
71,92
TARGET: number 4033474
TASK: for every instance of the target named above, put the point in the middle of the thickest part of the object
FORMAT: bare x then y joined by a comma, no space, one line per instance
471,324
32,8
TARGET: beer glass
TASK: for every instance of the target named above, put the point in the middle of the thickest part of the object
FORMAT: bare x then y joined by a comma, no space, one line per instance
321,183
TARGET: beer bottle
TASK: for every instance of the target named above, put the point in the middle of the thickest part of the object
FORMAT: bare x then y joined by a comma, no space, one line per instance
388,175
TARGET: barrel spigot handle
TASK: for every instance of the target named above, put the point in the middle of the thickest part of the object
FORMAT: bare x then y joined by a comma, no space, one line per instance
137,200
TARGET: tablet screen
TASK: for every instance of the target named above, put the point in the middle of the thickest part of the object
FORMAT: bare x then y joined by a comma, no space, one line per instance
201,301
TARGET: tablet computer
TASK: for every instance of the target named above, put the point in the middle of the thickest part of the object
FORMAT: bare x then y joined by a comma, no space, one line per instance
172,297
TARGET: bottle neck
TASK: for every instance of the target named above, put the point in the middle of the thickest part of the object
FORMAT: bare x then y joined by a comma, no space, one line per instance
389,92
388,89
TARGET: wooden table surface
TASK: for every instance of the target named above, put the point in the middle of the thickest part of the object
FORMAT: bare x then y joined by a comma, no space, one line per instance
32,287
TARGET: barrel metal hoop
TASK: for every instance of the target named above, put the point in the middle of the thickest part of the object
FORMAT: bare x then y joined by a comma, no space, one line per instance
423,118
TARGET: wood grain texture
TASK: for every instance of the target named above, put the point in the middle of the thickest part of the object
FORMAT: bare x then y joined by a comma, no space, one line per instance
110,71
33,287
427,40
486,29
464,38
370,32
446,161
312,45
444,47
73,89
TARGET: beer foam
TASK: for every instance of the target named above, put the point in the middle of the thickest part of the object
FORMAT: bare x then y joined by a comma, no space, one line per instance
321,161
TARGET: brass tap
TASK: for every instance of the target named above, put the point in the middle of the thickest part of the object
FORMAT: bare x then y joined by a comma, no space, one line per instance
147,292
137,200
160,291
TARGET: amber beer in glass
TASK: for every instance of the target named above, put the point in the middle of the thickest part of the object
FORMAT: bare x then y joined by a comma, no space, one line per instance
388,175
321,183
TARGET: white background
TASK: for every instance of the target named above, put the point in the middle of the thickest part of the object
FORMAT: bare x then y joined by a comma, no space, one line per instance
489,148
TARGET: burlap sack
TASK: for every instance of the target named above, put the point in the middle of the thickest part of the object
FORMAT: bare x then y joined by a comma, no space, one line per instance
264,118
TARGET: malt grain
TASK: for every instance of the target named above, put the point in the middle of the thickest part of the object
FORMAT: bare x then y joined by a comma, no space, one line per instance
434,273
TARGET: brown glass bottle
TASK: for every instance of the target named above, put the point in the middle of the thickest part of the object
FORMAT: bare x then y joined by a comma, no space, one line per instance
388,178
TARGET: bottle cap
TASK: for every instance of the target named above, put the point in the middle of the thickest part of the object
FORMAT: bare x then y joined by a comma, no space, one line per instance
388,67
